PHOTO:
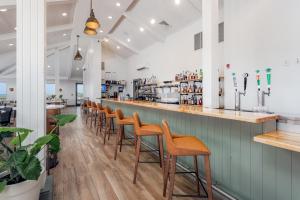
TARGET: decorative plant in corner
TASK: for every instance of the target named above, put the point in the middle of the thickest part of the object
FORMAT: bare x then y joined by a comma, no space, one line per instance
21,162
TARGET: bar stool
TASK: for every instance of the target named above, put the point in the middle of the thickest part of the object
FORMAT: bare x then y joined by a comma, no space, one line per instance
144,130
121,122
185,146
109,119
87,108
92,112
101,118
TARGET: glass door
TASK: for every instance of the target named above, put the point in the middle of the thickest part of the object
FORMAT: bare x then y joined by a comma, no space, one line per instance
79,94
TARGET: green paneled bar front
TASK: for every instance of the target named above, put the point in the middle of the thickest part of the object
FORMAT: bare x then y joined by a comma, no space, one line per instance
241,167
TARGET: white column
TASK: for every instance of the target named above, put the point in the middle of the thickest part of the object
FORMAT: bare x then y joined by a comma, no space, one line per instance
31,66
92,74
57,74
210,15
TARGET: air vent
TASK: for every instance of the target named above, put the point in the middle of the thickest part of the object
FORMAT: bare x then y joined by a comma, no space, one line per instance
103,66
198,41
164,23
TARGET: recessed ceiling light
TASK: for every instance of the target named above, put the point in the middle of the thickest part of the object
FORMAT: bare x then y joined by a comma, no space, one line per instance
91,51
11,44
177,2
152,21
15,28
64,34
77,68
101,31
64,14
79,49
128,40
118,47
106,40
109,17
3,10
49,66
142,29
118,4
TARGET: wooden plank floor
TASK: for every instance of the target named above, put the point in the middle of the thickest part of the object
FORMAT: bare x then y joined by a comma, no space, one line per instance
87,171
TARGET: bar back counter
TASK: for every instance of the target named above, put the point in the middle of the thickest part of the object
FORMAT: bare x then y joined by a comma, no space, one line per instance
240,166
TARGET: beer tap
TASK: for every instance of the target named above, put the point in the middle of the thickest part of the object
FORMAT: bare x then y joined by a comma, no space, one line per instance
235,90
258,87
268,71
245,75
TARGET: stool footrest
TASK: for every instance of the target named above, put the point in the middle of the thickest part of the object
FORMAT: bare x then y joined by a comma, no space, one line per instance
190,195
149,150
185,172
149,162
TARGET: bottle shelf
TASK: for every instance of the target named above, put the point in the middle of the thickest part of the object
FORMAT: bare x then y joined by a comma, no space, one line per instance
187,93
191,80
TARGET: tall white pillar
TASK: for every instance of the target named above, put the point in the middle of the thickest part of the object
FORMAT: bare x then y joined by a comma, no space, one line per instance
210,16
31,66
92,74
56,73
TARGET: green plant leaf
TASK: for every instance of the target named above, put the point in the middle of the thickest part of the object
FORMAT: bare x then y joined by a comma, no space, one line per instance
19,138
14,130
54,144
17,158
64,119
2,185
40,143
32,169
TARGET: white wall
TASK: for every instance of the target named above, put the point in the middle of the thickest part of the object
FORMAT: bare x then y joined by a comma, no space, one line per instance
260,34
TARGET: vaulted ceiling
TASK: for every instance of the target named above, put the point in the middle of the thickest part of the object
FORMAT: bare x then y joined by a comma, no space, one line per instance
127,27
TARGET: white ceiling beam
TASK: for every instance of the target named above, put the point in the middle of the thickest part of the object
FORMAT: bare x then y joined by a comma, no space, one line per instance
9,70
138,23
13,2
11,36
61,45
132,49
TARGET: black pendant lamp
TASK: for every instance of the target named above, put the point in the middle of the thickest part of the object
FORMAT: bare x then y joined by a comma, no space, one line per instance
78,56
91,23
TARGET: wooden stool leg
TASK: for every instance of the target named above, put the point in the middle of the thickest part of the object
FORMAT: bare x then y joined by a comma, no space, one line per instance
106,130
208,177
110,126
122,137
118,137
137,158
172,177
87,117
166,174
161,151
92,114
197,174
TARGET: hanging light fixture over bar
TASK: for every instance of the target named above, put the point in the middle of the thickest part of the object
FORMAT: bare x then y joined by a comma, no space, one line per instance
78,56
92,21
90,31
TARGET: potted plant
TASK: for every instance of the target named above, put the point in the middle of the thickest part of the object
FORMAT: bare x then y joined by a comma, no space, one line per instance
20,167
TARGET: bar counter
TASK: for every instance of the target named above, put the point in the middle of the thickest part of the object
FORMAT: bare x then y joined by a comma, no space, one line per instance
251,117
240,166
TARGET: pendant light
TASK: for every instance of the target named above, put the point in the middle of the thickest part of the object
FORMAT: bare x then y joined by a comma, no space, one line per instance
92,21
78,56
90,31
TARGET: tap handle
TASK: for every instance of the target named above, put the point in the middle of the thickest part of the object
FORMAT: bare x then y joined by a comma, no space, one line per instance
234,80
245,80
268,70
258,79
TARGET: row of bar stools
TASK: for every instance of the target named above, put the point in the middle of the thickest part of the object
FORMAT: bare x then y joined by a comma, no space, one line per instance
121,122
185,146
146,130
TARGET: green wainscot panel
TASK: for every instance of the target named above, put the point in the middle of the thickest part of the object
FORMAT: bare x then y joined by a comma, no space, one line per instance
241,167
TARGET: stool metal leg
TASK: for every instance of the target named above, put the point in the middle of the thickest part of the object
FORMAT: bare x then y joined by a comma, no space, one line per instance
118,138
197,173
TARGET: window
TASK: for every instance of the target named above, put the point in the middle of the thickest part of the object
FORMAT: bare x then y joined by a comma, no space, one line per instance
50,89
3,90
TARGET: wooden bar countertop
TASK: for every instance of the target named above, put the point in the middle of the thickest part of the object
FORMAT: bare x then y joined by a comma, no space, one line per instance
251,117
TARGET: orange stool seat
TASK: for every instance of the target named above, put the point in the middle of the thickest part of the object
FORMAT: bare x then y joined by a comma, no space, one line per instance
121,122
145,130
185,146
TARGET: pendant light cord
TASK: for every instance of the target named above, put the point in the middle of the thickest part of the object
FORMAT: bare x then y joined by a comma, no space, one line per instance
91,4
77,42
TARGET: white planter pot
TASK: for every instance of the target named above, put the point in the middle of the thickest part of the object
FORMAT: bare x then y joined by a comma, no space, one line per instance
27,190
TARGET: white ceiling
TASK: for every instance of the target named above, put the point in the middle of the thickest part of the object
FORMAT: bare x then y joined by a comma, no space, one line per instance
62,31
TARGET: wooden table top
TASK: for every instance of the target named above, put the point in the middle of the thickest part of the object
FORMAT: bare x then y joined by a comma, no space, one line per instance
280,139
251,117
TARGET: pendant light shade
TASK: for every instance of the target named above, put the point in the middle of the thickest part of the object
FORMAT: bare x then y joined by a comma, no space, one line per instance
78,56
92,22
90,31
